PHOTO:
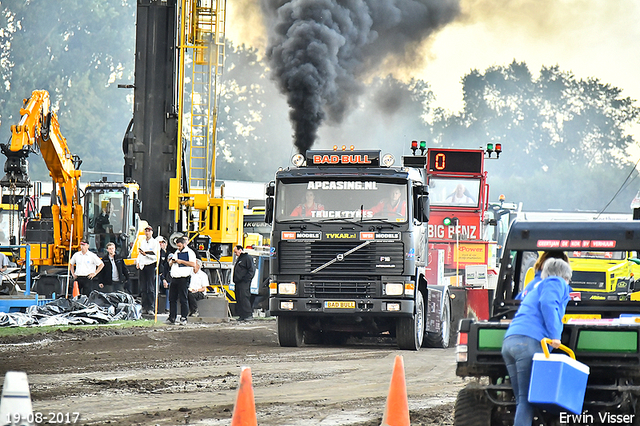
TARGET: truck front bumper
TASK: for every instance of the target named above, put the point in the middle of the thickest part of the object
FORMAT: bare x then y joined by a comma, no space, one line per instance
363,307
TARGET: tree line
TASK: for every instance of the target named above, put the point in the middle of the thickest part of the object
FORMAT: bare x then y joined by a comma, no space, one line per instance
565,140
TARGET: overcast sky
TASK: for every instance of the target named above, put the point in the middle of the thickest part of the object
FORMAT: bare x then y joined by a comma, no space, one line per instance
591,38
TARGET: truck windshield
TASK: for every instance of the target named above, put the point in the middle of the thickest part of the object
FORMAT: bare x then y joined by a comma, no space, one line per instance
603,255
319,200
454,192
105,219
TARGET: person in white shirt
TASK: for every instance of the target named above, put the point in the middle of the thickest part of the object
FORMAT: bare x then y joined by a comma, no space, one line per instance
148,249
460,196
182,263
197,288
85,265
4,264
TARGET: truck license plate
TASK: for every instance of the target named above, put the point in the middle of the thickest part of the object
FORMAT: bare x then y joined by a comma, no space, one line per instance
340,304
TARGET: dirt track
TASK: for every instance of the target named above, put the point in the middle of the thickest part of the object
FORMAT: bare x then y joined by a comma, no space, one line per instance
189,375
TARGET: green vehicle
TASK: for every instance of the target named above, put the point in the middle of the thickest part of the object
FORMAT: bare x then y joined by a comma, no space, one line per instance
604,334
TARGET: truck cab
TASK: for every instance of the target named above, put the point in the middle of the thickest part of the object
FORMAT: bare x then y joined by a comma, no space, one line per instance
349,248
605,275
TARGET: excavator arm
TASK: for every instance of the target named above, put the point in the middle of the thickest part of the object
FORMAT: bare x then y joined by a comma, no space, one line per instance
39,130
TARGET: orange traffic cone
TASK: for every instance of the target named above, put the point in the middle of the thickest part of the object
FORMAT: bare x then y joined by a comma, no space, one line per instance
76,289
244,412
396,412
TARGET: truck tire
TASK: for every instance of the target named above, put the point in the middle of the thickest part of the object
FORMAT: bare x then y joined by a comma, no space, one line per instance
289,331
471,409
410,331
443,338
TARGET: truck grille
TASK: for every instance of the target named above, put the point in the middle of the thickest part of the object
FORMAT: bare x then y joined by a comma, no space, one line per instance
377,258
339,289
588,280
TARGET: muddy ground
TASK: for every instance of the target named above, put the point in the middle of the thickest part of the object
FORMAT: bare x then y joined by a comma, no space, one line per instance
171,375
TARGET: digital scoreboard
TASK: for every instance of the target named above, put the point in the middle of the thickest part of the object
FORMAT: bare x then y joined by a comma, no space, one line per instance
454,161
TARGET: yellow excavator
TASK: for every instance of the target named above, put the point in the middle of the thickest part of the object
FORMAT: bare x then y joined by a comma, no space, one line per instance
57,229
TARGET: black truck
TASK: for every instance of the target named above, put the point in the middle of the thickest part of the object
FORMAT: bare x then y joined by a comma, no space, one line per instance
604,334
349,250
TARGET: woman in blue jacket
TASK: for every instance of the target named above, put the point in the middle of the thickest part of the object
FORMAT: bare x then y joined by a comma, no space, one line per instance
539,316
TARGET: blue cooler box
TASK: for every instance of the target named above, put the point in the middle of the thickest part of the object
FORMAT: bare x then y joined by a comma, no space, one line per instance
558,383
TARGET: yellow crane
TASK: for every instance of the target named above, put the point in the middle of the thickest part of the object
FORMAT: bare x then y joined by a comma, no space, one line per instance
39,130
215,220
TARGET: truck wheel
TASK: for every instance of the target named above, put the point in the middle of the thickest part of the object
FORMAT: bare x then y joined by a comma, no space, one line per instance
471,409
410,331
443,338
289,331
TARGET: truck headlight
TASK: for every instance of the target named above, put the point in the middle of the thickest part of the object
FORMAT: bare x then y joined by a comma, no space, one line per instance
394,289
287,288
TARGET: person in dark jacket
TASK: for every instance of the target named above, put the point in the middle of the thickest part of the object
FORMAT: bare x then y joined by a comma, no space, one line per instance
243,272
164,274
114,275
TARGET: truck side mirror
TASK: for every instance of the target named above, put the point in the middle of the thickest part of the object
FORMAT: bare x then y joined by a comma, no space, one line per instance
421,203
271,189
137,206
422,208
268,211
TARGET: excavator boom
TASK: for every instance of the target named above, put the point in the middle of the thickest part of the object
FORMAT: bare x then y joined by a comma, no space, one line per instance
39,130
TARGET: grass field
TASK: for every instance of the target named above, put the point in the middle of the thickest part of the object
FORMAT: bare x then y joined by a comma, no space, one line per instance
25,331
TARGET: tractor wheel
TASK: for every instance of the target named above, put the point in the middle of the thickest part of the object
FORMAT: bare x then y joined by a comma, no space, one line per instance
471,409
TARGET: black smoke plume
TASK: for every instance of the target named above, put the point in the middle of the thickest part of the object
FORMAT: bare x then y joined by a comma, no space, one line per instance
319,50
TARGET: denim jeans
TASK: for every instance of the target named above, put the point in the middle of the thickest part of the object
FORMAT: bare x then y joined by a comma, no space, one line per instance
517,351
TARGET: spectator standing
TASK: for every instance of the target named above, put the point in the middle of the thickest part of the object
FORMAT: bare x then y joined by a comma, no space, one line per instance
114,276
197,288
148,249
243,272
4,264
182,263
85,265
164,273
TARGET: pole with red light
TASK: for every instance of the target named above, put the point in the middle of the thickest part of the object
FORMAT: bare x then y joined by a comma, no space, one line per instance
491,148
